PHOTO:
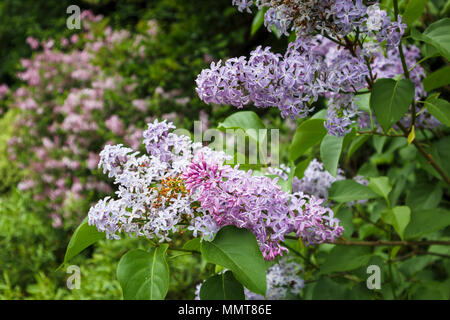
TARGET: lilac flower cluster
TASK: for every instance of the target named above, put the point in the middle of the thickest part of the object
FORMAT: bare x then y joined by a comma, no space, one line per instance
180,183
335,18
257,203
282,279
316,180
334,65
290,82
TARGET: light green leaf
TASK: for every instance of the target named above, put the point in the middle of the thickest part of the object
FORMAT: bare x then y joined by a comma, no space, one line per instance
144,275
378,142
83,237
363,102
390,100
222,287
381,186
398,217
308,134
258,21
248,121
330,152
237,250
349,190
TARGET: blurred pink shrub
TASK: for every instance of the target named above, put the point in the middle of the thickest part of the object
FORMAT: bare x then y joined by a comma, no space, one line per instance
76,99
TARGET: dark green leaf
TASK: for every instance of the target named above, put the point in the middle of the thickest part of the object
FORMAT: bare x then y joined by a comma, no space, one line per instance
390,100
440,109
437,35
437,79
424,222
222,287
237,250
350,190
413,11
344,258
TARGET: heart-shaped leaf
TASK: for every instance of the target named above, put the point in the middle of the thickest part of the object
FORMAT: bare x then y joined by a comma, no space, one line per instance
390,100
237,250
144,275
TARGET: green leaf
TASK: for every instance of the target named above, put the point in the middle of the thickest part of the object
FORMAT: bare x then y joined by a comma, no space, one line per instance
144,275
237,250
378,142
286,185
363,102
440,151
84,236
301,167
248,121
258,21
390,100
308,134
345,217
356,144
222,287
381,186
398,217
330,152
437,35
413,11
193,244
327,289
440,109
345,258
349,190
424,222
420,200
437,79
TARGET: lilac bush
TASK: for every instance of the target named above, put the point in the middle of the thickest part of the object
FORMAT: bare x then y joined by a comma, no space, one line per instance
181,183
72,104
323,61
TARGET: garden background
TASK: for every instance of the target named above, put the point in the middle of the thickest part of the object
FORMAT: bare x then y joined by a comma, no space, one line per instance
60,105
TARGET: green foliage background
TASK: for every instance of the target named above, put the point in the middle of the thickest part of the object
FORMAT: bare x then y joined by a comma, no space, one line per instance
31,249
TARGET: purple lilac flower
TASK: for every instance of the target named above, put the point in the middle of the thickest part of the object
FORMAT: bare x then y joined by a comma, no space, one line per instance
289,82
158,195
257,203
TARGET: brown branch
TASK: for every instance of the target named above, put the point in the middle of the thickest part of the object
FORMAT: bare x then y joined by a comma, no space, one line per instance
382,134
428,156
391,243
376,243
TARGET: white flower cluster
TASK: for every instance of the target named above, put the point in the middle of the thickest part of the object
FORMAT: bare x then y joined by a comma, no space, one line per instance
282,278
152,200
